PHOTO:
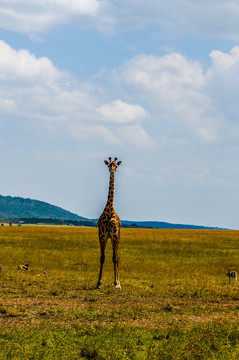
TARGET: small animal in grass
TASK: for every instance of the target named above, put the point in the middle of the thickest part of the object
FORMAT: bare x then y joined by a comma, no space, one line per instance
43,273
23,267
232,274
1,267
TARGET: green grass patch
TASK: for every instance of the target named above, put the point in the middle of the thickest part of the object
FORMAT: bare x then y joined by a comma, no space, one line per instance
175,302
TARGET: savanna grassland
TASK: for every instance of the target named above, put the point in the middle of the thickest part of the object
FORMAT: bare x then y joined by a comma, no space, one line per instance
175,302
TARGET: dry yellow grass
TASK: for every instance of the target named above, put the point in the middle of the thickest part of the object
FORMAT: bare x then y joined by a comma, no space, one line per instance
175,294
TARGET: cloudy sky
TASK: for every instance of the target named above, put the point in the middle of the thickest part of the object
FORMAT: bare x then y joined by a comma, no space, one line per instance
154,83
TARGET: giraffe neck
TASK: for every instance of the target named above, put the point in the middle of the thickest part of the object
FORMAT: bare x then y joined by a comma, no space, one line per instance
110,199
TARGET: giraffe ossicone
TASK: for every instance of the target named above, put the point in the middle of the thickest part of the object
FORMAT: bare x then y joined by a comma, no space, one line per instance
109,225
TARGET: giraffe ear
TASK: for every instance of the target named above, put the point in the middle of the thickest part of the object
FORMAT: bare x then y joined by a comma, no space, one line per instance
119,162
106,162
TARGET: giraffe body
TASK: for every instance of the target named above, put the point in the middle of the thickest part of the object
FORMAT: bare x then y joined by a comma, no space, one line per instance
109,225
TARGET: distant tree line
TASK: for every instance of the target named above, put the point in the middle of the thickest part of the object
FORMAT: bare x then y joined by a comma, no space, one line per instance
52,222
88,223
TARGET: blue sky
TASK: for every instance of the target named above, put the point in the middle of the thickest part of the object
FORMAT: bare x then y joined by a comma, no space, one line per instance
154,83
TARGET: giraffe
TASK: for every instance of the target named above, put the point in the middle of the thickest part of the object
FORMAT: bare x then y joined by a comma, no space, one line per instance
109,225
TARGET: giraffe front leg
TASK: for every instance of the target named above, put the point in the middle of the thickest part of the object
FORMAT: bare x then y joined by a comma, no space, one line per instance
115,262
103,242
102,260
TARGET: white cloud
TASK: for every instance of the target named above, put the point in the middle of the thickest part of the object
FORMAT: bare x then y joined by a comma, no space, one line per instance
24,68
121,113
88,131
222,61
88,7
34,89
36,17
136,136
175,95
223,83
133,135
172,87
162,76
212,18
183,98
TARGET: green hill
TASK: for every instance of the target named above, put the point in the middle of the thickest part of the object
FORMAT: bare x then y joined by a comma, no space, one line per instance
165,225
17,207
31,211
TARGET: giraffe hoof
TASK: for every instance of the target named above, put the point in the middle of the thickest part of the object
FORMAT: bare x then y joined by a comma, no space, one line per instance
98,286
117,285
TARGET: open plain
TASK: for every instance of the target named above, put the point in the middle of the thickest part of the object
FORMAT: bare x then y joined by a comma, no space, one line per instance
176,301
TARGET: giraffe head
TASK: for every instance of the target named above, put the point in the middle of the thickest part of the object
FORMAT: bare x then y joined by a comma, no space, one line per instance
112,164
